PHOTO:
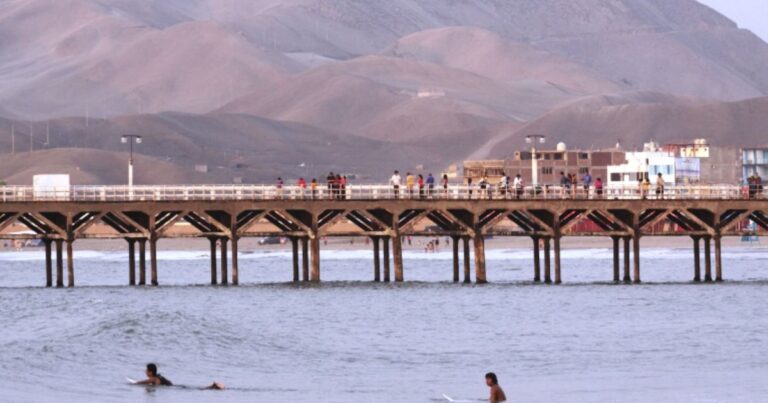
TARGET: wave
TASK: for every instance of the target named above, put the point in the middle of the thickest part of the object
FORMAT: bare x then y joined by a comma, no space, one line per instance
359,254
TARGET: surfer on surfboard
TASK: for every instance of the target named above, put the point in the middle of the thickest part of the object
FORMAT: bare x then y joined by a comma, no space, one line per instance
155,379
497,393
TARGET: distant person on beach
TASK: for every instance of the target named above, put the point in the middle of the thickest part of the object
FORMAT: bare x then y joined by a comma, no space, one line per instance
155,379
497,394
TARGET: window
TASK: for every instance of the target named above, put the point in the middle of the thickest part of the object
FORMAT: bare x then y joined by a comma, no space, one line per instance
583,170
583,156
546,170
557,156
615,177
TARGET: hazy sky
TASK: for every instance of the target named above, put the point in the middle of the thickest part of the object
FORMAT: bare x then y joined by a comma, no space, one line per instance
749,14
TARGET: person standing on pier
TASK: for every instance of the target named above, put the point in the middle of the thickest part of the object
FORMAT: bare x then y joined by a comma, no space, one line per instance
302,184
330,180
279,186
445,185
313,188
659,186
420,183
587,181
430,185
395,182
497,393
599,188
409,183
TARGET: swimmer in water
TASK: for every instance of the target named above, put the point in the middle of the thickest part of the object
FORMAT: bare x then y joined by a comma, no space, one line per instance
497,394
155,379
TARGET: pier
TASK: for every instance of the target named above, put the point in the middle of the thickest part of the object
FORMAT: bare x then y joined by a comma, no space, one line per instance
144,215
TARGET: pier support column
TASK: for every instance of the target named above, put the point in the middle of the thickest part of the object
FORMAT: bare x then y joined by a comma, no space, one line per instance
70,263
376,260
616,275
142,261
295,250
696,259
59,263
558,278
153,258
547,261
636,255
214,262
385,241
479,243
131,261
467,273
224,263
235,259
48,263
455,244
707,259
718,259
305,258
397,251
627,277
315,251
536,260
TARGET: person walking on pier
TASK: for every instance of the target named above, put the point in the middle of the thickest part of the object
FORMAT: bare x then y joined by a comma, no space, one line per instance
395,181
497,393
659,186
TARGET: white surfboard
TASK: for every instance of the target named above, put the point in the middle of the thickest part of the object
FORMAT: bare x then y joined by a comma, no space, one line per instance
131,381
452,400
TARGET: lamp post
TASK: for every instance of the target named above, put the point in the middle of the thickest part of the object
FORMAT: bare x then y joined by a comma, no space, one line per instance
533,139
130,139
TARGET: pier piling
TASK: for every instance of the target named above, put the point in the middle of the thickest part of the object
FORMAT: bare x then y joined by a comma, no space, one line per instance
696,259
467,273
616,274
142,261
224,262
558,279
70,264
547,261
707,259
718,259
305,258
636,256
627,277
214,261
536,260
479,243
455,244
386,259
235,261
59,263
295,255
131,262
376,260
153,259
48,263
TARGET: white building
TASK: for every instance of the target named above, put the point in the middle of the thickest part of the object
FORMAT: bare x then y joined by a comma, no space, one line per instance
640,165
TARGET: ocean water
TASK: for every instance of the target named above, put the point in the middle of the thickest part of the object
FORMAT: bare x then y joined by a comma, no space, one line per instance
350,340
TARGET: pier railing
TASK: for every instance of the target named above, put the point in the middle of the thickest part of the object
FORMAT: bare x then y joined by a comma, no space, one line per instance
366,192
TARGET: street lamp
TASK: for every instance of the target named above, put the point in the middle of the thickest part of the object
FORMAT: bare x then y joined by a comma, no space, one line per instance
533,139
130,139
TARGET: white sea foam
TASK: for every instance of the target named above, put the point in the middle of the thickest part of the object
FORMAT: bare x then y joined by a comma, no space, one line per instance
331,254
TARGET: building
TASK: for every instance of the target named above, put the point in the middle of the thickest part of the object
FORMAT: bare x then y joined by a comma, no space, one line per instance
754,161
640,165
549,165
717,165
